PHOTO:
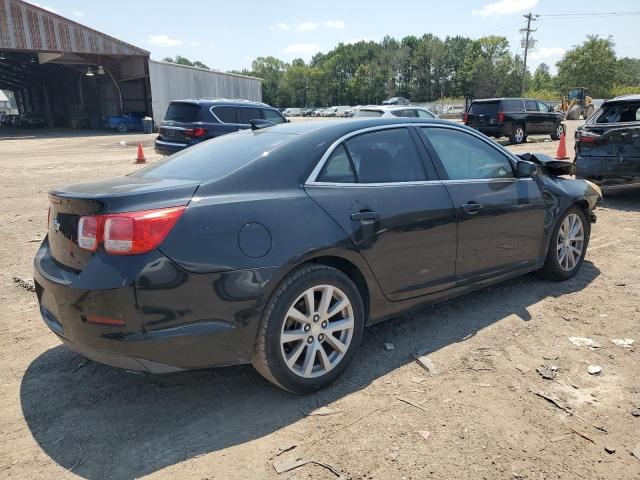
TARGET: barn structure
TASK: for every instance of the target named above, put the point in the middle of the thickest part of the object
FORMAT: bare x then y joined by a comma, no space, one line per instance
74,76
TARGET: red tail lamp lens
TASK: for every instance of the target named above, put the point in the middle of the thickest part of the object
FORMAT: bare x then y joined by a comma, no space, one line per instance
88,233
199,132
500,117
128,233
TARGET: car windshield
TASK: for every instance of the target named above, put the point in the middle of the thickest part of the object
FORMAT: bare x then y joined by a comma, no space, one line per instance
484,108
182,112
216,158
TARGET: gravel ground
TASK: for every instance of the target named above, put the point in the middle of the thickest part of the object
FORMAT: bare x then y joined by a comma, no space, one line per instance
481,416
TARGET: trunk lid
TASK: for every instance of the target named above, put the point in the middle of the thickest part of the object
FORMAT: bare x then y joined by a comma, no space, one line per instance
122,194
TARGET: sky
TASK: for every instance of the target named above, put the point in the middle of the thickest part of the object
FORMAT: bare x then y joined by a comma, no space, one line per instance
229,35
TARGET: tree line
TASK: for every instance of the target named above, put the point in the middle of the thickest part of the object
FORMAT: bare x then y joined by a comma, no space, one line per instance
428,68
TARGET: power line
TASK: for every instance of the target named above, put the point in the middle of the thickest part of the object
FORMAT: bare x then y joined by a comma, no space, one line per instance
601,14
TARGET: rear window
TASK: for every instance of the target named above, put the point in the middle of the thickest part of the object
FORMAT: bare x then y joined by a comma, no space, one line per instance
620,113
484,108
216,158
182,112
368,113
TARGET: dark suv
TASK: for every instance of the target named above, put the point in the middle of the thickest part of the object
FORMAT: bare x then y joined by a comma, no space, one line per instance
188,122
515,118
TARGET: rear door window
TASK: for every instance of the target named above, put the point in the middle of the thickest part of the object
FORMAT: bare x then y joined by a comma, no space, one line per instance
338,168
245,115
272,116
226,114
465,157
408,112
424,114
531,105
386,156
182,112
484,108
512,106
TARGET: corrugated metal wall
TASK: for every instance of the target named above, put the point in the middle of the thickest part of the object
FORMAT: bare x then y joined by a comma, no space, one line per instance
177,82
27,27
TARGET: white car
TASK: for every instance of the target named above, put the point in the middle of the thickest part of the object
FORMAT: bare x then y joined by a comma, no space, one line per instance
391,111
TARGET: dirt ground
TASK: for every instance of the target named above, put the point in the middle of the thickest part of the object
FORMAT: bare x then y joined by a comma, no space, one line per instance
62,417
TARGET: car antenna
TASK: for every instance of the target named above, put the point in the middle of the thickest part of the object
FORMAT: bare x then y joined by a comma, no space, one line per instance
257,124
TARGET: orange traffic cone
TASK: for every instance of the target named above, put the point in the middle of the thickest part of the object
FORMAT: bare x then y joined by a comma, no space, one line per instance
140,158
561,154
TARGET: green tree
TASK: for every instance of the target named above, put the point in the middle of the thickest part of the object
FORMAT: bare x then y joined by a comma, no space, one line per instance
541,78
631,71
593,65
271,70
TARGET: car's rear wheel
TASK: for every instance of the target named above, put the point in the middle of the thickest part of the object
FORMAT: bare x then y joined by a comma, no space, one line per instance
518,135
122,128
557,133
568,245
310,329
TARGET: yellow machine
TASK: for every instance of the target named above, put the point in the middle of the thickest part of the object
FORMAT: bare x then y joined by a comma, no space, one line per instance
577,103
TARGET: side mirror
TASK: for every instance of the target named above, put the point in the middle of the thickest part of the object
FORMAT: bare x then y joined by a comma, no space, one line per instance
524,169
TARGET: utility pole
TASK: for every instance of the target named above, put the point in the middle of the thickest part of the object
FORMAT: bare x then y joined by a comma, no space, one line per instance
527,43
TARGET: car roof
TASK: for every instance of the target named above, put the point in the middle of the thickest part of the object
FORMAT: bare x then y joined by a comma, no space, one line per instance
490,100
210,101
635,97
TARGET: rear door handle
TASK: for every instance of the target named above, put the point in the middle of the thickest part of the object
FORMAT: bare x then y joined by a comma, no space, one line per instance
471,207
365,216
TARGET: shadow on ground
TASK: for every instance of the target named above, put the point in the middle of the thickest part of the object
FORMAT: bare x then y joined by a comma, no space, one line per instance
101,422
11,133
627,200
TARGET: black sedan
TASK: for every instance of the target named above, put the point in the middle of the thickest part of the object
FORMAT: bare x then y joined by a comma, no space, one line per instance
278,246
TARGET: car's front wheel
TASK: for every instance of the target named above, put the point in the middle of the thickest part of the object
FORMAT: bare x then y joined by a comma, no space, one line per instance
309,330
518,135
568,245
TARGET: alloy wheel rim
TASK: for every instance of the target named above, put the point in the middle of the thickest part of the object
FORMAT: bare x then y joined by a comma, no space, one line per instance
317,331
519,134
570,242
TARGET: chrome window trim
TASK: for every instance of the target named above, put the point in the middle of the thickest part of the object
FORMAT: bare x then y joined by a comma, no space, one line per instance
311,180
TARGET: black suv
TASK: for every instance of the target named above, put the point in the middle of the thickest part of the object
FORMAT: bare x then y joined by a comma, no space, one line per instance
188,122
515,118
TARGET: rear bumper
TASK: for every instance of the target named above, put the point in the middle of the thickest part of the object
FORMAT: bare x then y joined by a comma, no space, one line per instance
601,168
171,319
163,147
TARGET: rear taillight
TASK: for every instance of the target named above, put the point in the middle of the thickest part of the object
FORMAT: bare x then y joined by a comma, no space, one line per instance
128,233
465,118
500,117
587,137
199,132
89,233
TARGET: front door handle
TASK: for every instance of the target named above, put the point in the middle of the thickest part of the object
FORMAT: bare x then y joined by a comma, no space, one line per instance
471,207
367,216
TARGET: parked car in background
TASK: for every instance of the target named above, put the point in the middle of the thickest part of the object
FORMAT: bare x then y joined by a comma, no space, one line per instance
341,110
328,112
608,144
126,122
187,263
189,122
292,112
516,118
29,120
387,111
396,101
306,112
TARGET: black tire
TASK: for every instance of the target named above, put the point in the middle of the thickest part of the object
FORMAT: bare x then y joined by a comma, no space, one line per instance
558,131
122,128
518,135
267,354
552,269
